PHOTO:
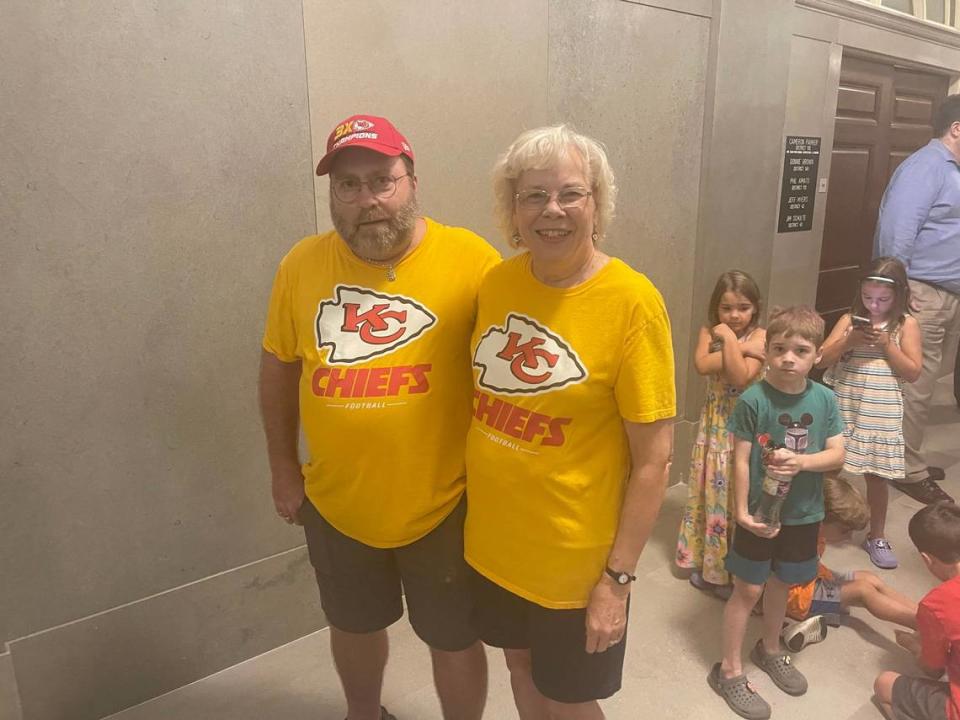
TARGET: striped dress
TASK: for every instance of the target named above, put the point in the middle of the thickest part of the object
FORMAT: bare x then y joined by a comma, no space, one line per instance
871,404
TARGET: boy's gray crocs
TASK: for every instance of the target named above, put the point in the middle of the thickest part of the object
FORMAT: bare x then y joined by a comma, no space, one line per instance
780,668
739,695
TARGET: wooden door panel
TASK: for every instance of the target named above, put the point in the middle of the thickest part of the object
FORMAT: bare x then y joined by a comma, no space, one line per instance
849,168
912,110
830,318
857,102
837,287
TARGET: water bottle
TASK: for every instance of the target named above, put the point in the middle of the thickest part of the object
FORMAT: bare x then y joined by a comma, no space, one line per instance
775,489
776,486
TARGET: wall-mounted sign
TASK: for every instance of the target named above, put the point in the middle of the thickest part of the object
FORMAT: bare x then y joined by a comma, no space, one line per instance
801,158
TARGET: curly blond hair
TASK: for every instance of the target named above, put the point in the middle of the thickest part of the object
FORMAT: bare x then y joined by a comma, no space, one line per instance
541,149
843,504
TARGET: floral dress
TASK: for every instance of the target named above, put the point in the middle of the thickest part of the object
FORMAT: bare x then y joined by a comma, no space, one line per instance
708,515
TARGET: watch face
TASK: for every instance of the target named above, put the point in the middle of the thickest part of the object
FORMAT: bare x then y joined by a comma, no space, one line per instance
623,578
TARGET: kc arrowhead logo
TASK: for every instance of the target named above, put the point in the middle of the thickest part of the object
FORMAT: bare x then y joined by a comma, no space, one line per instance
360,324
524,357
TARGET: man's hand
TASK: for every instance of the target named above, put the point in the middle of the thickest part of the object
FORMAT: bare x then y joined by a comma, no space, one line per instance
288,494
280,408
606,615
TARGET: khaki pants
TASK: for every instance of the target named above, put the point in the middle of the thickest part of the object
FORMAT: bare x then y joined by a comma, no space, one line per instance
939,318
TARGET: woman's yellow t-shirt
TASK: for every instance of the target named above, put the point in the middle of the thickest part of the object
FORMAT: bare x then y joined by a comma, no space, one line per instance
556,372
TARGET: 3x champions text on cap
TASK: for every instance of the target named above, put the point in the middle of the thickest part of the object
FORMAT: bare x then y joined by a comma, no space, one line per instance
367,131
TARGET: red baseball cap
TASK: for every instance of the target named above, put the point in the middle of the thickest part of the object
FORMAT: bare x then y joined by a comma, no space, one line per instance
368,131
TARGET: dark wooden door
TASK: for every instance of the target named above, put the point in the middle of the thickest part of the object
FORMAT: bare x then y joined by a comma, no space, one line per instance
884,113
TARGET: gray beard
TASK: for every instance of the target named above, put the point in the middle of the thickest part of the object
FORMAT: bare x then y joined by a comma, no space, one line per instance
383,242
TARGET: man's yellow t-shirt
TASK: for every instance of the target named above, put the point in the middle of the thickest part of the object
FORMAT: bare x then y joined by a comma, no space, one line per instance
385,387
556,372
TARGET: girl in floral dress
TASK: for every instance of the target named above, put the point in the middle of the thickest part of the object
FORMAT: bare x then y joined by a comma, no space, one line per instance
730,352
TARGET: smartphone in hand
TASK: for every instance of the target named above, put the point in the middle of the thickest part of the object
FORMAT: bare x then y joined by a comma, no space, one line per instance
858,321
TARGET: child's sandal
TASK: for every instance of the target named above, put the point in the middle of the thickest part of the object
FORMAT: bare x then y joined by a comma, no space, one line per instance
739,695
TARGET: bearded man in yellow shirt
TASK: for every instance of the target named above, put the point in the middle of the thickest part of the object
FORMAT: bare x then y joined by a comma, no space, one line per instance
367,345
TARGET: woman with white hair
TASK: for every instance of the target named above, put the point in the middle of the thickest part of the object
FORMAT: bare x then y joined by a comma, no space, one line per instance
571,436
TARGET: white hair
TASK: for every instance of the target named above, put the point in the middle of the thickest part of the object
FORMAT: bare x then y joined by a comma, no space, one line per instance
541,149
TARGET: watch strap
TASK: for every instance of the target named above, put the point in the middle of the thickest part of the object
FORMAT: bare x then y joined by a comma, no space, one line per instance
617,574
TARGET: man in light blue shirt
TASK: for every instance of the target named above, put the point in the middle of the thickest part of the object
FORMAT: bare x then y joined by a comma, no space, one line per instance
919,224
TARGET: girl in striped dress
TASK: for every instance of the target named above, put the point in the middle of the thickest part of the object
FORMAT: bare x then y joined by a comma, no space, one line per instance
870,352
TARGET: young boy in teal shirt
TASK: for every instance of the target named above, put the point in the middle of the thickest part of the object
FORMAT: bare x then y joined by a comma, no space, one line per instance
801,417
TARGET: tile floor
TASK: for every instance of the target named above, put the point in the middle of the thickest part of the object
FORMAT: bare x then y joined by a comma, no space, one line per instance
673,639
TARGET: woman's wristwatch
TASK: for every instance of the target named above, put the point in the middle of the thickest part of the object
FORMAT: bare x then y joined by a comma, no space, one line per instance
620,577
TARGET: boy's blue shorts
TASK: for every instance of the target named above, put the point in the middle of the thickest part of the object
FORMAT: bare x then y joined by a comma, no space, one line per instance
791,555
827,594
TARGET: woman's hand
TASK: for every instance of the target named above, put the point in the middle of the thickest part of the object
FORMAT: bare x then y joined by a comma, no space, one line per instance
606,615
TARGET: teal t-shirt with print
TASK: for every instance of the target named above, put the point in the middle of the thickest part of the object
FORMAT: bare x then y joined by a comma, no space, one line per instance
803,422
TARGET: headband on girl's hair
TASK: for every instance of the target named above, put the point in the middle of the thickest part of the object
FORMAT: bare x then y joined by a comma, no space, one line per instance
880,278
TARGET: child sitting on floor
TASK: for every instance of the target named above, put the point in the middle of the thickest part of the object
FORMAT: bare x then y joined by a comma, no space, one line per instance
832,592
935,530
